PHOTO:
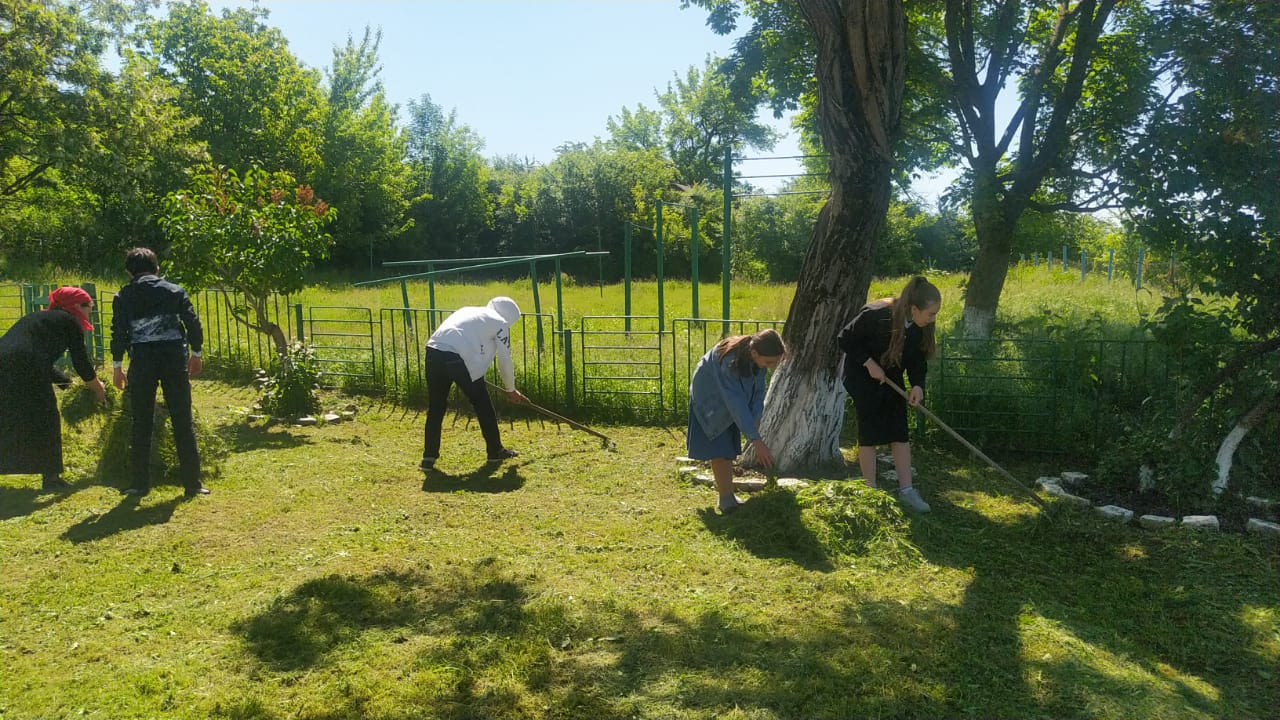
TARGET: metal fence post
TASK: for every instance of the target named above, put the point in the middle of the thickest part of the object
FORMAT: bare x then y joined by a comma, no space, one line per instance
568,367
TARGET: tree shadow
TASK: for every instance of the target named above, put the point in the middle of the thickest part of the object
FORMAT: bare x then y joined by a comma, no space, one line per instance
301,629
770,525
19,502
479,627
485,479
1118,597
242,437
128,514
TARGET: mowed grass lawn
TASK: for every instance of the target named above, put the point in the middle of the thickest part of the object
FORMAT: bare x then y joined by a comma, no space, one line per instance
322,579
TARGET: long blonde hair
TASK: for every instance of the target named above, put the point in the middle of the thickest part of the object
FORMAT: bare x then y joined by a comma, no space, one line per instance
767,342
918,293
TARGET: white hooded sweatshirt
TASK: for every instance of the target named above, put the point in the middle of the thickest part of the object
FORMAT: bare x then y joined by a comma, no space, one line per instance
477,335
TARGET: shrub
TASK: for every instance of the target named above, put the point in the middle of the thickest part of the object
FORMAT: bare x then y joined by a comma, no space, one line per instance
290,390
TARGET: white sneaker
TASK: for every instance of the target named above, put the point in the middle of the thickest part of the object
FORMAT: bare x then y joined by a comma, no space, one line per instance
911,498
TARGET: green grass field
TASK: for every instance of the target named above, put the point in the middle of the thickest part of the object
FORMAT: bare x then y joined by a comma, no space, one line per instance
324,580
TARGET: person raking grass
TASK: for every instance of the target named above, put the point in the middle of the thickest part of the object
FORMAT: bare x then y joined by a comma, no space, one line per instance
885,338
726,399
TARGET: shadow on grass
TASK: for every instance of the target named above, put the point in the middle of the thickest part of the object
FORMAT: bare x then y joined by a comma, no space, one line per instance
1068,612
769,525
479,643
21,501
128,514
485,479
242,437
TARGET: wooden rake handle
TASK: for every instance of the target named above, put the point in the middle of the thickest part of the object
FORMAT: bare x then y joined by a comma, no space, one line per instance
558,417
972,448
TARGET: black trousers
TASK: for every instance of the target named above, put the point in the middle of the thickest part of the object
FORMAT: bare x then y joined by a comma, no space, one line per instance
163,365
444,369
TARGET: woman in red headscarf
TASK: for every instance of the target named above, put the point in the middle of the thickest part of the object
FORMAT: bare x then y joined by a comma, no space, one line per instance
30,427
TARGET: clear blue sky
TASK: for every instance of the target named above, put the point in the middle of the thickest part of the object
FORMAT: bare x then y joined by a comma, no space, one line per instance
525,75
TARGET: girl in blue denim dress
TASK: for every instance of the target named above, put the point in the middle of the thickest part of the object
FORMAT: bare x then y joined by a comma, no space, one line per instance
726,399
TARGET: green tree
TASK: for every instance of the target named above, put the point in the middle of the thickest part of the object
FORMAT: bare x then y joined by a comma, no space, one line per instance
702,117
639,130
256,103
362,168
254,235
587,194
1082,76
49,71
450,206
1203,178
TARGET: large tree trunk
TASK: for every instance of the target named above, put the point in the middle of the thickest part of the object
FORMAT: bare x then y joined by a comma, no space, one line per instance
860,71
991,267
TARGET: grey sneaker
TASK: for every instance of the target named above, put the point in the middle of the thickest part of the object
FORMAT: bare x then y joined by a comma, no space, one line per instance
911,498
725,507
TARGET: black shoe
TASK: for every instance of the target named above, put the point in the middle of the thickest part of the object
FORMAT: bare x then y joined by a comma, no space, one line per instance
54,484
135,491
427,464
202,490
503,454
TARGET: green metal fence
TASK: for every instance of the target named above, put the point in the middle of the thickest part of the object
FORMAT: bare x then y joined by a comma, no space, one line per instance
1045,396
1019,394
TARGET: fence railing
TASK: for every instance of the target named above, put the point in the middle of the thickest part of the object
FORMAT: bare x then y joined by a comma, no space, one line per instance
1029,395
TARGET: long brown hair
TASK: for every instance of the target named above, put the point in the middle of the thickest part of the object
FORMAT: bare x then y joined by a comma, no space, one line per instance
918,293
767,342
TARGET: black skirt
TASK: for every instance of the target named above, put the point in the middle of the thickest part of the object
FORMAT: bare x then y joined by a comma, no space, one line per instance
30,427
881,412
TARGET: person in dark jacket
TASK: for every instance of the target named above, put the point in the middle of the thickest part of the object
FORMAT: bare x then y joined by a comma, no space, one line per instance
726,400
30,427
155,322
885,338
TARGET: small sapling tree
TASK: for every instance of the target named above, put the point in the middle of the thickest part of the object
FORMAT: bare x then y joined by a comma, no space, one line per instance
247,237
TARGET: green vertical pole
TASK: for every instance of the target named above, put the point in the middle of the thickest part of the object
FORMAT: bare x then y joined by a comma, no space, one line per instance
658,236
95,316
1084,259
431,297
1064,258
724,251
537,301
568,368
1111,263
297,314
626,272
695,249
559,298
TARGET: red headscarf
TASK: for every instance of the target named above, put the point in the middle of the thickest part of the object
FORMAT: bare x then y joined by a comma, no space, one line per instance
70,299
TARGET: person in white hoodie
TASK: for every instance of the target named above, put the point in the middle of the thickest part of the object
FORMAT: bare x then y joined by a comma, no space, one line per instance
460,351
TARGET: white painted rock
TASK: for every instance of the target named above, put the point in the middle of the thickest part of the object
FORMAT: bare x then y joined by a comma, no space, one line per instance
1201,522
348,415
685,460
792,483
1262,527
687,470
1261,502
332,417
1073,478
1155,522
1056,490
892,475
1045,482
1115,513
306,421
704,478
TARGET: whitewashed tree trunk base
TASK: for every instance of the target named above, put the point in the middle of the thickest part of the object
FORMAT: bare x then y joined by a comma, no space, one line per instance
802,420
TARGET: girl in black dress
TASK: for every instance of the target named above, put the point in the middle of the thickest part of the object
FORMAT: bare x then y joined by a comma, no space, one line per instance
30,427
885,338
